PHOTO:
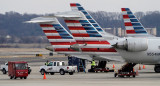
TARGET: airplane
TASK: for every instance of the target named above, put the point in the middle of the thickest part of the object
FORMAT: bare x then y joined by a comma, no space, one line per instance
62,42
140,49
93,50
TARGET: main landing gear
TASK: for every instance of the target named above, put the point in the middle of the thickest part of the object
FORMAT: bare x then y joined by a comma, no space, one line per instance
157,68
126,70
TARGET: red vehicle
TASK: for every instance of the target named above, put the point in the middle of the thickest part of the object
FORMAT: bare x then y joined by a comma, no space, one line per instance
123,74
18,69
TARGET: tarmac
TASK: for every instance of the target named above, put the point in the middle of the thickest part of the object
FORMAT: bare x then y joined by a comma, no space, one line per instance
146,76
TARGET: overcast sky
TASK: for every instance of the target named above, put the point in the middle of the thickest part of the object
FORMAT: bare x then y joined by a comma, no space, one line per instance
53,6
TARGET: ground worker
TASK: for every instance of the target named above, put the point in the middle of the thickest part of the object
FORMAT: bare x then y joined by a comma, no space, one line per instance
93,65
47,63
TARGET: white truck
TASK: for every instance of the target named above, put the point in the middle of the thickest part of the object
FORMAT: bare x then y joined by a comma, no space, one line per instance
57,67
4,68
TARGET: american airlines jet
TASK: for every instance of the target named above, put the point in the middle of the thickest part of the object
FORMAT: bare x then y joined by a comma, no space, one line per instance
90,39
134,48
64,43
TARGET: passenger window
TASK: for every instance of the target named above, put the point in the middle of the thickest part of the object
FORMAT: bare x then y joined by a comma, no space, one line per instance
54,63
57,63
50,64
63,64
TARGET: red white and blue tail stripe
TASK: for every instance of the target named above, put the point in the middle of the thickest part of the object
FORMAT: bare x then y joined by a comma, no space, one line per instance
78,7
60,38
132,24
85,34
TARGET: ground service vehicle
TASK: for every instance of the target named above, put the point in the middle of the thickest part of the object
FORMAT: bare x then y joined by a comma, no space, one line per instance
4,68
18,69
126,71
123,74
57,67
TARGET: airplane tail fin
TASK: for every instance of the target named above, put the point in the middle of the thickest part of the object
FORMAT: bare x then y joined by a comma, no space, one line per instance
78,7
85,34
82,30
57,35
132,24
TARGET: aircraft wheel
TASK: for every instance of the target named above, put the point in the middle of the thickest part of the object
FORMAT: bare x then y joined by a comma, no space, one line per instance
157,69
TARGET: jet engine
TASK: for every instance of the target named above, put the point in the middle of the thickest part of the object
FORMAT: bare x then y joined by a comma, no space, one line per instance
133,44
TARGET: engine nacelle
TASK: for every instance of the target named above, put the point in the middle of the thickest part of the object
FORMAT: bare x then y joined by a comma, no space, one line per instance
133,44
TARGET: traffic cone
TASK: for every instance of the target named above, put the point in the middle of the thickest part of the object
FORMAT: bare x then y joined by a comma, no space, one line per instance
143,66
137,72
113,66
139,67
44,77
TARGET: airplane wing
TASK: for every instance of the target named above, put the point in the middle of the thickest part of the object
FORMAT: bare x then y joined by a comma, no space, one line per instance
100,58
90,57
118,58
